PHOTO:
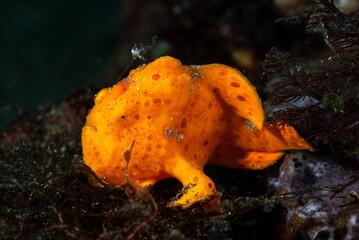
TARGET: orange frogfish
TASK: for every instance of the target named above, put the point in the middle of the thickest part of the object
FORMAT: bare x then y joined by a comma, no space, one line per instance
181,118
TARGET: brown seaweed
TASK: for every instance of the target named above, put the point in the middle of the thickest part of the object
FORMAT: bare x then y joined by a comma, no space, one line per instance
334,119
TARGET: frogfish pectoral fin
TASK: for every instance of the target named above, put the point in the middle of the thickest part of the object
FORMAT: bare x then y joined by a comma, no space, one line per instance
196,185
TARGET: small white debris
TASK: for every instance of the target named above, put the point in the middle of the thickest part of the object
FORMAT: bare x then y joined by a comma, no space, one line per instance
170,133
250,125
180,137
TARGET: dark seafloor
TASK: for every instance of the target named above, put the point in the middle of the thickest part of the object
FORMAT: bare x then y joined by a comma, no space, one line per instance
302,56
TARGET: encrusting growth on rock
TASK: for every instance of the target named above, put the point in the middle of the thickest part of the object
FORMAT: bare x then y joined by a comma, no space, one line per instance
181,118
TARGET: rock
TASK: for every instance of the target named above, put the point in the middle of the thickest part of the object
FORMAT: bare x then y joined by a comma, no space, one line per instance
321,198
